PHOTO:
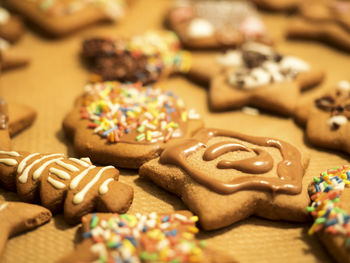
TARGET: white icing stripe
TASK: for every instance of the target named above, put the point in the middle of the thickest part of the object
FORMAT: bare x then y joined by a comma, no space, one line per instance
23,163
104,186
68,166
79,197
55,183
81,162
15,154
9,161
37,173
3,206
61,174
76,180
86,159
23,178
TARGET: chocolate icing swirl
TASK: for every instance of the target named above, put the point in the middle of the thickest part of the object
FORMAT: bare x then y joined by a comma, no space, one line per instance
3,114
290,170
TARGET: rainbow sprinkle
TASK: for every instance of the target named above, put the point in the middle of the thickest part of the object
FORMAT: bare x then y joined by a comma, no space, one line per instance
134,112
150,238
325,207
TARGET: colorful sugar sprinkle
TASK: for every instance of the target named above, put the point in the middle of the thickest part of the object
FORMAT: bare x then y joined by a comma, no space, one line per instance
150,237
325,207
134,112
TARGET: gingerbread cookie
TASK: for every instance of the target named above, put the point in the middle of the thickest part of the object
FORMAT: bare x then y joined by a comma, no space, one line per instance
11,27
330,209
143,238
16,217
259,76
20,117
10,58
4,134
59,18
216,24
127,124
277,5
327,121
224,176
74,186
145,58
323,20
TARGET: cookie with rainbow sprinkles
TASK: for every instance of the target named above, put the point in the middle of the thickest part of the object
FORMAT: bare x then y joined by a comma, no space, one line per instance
127,124
143,238
330,208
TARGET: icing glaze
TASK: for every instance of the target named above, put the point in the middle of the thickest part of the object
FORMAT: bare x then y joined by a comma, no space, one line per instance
68,166
12,153
37,173
61,174
104,186
3,206
79,197
76,180
81,162
57,184
8,161
23,163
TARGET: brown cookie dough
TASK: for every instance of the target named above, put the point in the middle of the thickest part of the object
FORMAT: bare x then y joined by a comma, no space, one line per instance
330,208
20,117
323,20
127,125
224,176
11,27
147,58
74,186
59,18
16,217
168,237
277,5
327,118
216,24
11,58
5,141
258,76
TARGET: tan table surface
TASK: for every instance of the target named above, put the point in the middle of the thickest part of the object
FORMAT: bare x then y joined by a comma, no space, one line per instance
56,76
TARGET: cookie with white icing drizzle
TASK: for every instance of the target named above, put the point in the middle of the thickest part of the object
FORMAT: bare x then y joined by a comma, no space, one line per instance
259,76
17,217
216,24
327,118
69,185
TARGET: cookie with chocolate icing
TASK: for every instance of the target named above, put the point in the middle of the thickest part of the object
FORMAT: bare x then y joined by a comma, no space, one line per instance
216,24
323,20
146,58
225,176
327,118
331,211
11,27
127,125
16,217
277,5
258,76
168,237
61,184
59,18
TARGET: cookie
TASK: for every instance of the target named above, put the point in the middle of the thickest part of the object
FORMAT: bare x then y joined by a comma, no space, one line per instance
225,176
11,58
150,237
216,24
5,141
16,217
277,5
11,27
20,117
330,209
327,118
127,124
59,18
74,186
258,76
323,20
146,58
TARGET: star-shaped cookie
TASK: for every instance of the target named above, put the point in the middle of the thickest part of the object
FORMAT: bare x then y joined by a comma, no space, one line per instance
16,217
323,20
327,118
167,237
257,75
224,176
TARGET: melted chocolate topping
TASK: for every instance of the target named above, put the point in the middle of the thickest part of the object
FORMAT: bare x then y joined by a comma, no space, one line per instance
337,103
290,170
